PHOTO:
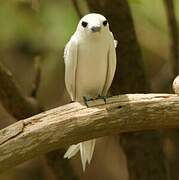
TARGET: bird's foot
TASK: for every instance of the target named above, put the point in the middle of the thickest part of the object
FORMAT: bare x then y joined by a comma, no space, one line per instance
86,99
102,97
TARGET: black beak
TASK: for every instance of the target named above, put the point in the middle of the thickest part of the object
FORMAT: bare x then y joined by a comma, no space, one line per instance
96,28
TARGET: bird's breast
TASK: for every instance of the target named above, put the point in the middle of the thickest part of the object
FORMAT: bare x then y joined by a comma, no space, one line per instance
91,68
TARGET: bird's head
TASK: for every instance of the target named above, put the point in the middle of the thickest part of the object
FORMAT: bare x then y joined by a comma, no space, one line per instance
93,24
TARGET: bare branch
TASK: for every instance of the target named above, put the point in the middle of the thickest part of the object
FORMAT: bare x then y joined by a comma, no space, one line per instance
13,99
75,122
20,106
37,64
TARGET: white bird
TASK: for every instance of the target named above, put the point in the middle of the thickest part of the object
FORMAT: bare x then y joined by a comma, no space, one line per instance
90,64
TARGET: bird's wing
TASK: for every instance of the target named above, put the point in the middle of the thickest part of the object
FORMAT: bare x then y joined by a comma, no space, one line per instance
115,41
72,151
111,67
70,58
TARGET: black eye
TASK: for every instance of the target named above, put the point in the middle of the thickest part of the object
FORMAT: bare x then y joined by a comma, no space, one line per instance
84,24
105,22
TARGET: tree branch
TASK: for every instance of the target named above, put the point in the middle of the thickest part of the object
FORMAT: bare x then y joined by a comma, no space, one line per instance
13,99
36,85
20,106
75,123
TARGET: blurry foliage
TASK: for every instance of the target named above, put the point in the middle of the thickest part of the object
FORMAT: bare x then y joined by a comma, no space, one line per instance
153,34
58,22
26,33
134,1
151,26
19,22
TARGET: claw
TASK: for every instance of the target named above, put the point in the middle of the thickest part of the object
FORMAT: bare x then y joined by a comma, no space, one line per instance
105,98
86,99
102,97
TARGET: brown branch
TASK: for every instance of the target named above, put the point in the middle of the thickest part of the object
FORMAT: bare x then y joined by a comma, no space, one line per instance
75,122
13,99
37,64
20,106
77,8
174,33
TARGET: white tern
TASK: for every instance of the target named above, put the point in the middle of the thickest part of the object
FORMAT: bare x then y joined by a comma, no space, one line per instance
90,64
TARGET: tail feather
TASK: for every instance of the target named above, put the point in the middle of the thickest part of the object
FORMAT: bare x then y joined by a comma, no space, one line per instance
83,155
93,142
72,150
86,149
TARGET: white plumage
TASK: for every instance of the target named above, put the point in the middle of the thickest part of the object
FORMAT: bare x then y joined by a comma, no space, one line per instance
90,63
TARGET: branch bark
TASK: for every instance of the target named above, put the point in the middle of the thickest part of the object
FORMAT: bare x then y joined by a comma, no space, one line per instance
75,123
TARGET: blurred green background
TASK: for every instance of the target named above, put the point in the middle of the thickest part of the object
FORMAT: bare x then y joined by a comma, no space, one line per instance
40,29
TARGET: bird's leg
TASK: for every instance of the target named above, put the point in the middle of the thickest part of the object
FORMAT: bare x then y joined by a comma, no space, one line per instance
86,99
